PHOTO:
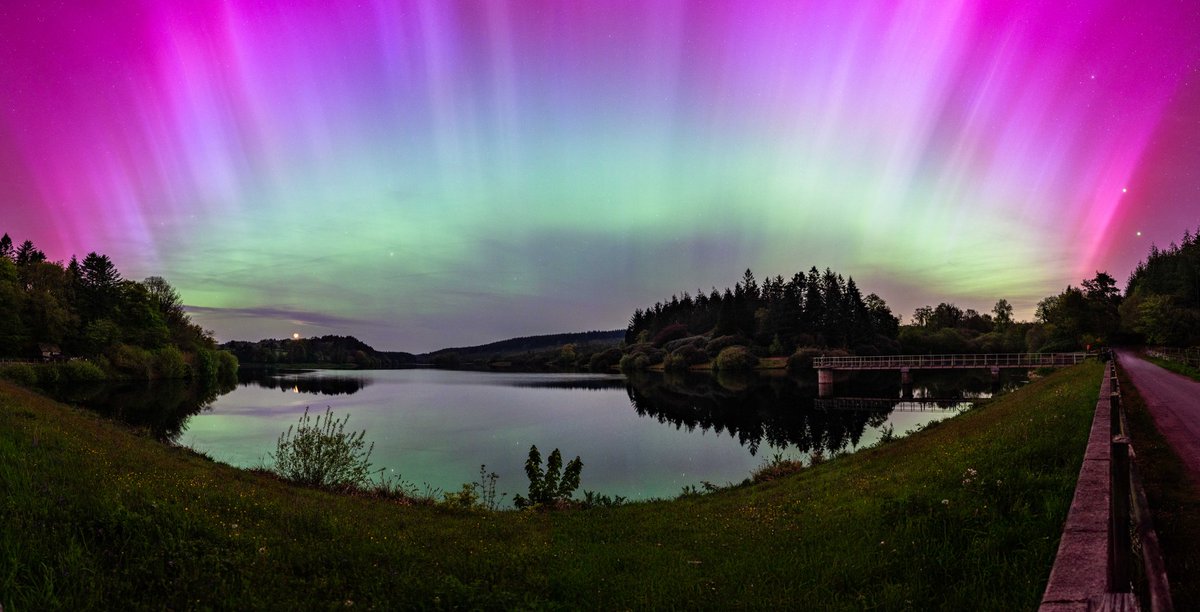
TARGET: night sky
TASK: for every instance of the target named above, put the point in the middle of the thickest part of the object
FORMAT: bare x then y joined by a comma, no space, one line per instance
428,174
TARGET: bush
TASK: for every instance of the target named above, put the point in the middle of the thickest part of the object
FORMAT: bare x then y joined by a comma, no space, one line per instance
736,358
634,363
605,360
169,363
204,366
132,361
671,332
227,367
20,373
802,359
674,345
320,453
716,345
687,356
81,371
776,467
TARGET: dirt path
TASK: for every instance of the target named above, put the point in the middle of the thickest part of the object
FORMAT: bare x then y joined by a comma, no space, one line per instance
1173,401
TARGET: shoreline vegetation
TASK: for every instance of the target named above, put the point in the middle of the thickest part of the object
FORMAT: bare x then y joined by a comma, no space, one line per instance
82,322
966,513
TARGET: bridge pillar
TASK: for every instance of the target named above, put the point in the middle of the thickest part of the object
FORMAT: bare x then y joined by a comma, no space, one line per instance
995,374
824,382
905,376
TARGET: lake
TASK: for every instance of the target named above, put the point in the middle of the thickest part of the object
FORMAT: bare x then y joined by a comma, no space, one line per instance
649,436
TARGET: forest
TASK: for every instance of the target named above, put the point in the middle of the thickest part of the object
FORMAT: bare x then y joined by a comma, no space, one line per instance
98,324
824,313
1162,297
778,318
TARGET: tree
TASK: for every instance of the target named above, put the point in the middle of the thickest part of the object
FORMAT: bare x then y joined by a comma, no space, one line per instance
6,248
552,487
946,316
165,299
99,284
883,322
1004,313
1157,317
923,316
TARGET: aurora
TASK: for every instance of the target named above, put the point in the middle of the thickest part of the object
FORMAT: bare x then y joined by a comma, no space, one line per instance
426,174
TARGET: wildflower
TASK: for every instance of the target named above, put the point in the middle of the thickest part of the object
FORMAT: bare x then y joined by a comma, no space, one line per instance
945,502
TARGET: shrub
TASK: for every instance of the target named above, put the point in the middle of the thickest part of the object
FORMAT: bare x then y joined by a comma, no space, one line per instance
227,367
47,376
132,361
776,467
776,347
204,369
552,488
736,358
634,363
81,371
321,453
716,345
802,359
687,356
674,363
671,332
605,360
20,373
591,499
674,345
169,363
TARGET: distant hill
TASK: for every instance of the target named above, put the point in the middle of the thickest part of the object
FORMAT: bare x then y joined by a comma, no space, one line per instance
583,342
323,350
530,352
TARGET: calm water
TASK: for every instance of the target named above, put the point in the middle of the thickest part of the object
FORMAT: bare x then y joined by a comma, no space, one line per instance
642,438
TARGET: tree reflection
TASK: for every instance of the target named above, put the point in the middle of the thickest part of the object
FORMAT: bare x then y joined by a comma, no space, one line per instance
784,411
298,383
162,407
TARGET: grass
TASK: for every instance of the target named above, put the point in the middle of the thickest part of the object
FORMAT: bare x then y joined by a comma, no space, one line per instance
1174,366
1173,496
963,515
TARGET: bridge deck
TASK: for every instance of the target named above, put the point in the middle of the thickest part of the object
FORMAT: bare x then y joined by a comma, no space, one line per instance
948,362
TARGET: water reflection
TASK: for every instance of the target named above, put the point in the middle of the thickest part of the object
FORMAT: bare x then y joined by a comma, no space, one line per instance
162,407
312,383
784,411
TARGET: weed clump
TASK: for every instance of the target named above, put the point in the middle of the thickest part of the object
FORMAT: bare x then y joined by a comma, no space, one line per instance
321,453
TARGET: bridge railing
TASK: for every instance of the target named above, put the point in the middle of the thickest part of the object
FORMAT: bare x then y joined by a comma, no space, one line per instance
984,360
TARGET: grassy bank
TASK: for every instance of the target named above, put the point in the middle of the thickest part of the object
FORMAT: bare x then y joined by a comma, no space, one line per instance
964,515
1174,366
1172,495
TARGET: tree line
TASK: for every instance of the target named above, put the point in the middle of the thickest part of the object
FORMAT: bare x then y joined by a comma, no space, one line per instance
813,309
328,350
87,309
815,313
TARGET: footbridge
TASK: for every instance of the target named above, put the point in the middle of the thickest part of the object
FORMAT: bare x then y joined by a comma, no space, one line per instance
905,364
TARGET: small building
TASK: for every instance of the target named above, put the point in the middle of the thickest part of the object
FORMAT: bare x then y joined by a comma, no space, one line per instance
51,352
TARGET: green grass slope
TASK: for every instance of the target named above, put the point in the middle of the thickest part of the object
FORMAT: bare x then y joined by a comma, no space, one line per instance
964,515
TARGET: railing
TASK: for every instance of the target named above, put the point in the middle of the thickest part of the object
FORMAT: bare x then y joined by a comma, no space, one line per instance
985,360
1135,561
